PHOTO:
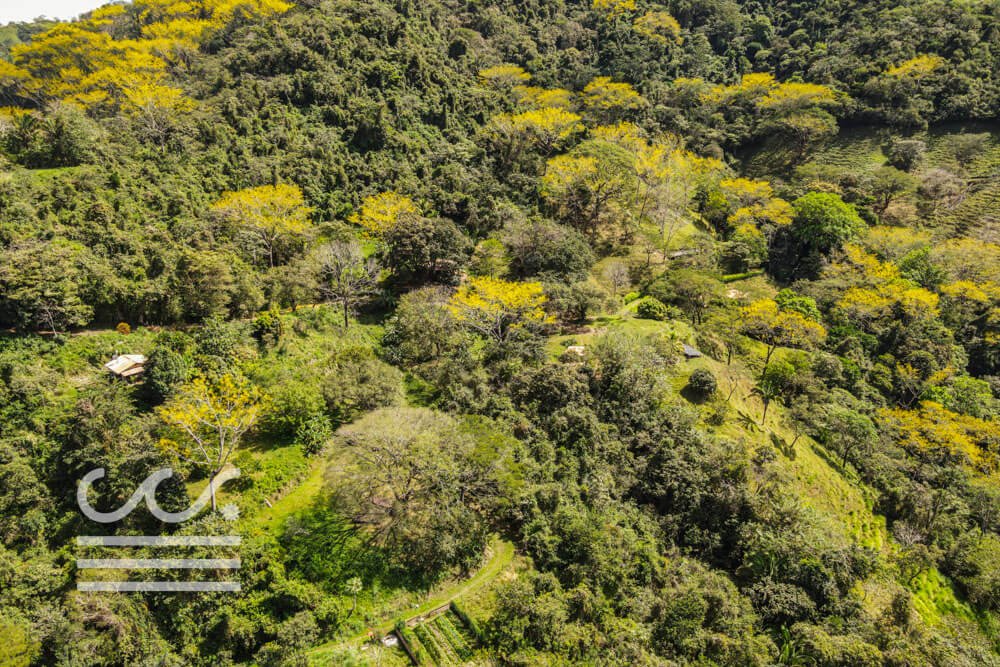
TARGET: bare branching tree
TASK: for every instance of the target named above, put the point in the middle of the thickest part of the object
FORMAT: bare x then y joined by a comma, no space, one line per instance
346,276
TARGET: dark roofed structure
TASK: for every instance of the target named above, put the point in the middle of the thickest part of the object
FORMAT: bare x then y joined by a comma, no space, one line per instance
691,353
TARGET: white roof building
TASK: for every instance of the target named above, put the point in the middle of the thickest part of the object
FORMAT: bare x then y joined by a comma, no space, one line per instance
127,365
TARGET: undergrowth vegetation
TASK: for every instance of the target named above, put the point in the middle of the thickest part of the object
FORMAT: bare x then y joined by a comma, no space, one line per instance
611,333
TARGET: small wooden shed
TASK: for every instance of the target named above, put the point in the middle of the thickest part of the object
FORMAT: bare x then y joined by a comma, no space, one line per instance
127,366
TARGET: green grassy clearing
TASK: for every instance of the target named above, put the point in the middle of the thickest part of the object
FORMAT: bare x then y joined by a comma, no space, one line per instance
839,503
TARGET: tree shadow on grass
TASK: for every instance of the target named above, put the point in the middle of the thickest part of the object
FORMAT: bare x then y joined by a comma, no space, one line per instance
694,396
326,548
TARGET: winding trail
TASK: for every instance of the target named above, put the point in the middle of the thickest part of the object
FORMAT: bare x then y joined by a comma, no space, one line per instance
501,555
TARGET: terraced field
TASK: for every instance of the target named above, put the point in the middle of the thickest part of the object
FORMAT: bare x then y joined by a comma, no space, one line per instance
975,213
444,641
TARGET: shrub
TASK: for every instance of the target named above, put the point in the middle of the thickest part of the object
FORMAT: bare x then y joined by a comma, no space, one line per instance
359,382
313,433
123,328
906,154
710,344
718,411
177,341
702,382
268,328
652,309
219,338
165,371
293,404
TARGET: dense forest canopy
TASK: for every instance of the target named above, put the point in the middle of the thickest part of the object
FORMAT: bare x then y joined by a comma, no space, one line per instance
608,332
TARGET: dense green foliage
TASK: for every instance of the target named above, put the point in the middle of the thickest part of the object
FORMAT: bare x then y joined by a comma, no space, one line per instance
442,261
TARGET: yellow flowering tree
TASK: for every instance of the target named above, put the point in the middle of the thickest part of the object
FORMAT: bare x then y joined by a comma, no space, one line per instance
607,100
670,176
751,87
877,295
768,94
894,243
269,215
794,96
867,306
968,259
932,430
765,322
966,303
504,76
794,109
591,186
659,27
743,201
612,9
382,212
542,130
117,59
499,309
534,97
917,67
211,419
777,212
857,268
623,133
742,192
662,175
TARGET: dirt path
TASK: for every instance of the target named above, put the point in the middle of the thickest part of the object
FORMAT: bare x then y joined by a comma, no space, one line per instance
502,554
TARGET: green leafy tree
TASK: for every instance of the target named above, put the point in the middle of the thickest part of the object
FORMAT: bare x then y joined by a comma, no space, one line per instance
425,250
824,222
886,185
773,385
42,285
691,290
489,259
547,249
849,433
419,483
357,382
166,371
